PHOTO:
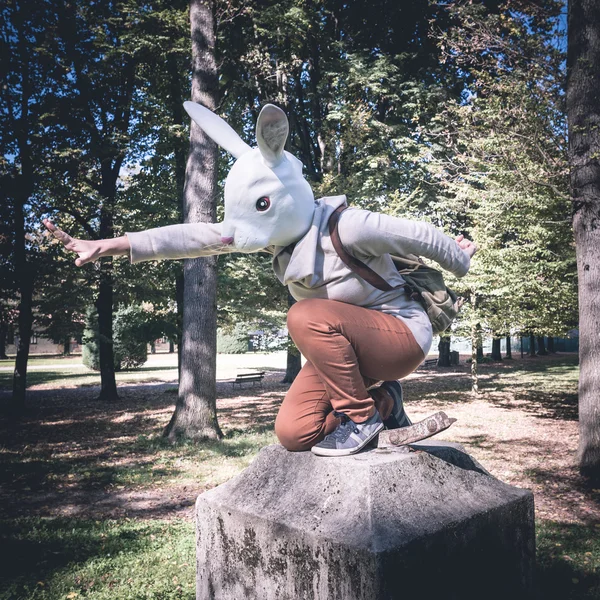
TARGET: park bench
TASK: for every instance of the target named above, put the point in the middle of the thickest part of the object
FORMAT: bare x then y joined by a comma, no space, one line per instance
430,362
253,377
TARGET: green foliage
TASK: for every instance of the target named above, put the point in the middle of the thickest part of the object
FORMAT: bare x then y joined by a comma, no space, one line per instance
91,350
502,173
233,341
132,331
130,334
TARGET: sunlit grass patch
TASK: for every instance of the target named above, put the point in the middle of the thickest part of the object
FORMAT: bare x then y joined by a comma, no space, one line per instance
48,559
207,463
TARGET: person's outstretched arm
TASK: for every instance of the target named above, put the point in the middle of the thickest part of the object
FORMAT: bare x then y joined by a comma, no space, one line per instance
89,250
188,240
374,234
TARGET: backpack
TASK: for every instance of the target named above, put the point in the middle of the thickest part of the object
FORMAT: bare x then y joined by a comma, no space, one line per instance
421,282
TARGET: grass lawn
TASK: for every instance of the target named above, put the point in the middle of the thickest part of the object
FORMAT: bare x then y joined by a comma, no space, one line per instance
95,504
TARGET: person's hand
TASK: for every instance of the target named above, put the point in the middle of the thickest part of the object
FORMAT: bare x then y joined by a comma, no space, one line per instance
466,245
88,251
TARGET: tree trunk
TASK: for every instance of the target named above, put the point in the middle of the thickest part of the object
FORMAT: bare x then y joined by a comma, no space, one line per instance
475,338
532,353
3,335
496,353
67,347
25,318
479,343
195,414
508,354
294,358
583,111
104,306
541,346
171,346
522,351
444,352
551,349
294,362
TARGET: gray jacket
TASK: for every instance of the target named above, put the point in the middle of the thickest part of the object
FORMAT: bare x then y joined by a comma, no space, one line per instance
312,268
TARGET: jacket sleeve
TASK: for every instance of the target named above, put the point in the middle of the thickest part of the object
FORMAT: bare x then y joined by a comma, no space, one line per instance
188,240
365,233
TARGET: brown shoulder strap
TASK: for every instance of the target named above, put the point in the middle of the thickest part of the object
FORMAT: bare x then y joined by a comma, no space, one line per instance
350,261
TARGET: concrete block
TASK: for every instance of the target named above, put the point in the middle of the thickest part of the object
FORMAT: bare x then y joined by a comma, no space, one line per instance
378,525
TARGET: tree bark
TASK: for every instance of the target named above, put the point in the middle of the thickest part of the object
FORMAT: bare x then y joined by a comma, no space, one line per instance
294,358
3,335
479,343
551,349
195,415
67,347
293,364
583,111
444,352
532,353
475,338
496,353
541,346
508,354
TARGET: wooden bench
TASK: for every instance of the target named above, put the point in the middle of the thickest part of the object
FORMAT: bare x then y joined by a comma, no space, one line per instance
254,377
430,362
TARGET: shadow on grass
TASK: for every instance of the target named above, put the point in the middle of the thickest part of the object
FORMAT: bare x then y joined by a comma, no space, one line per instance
542,387
568,562
67,558
69,453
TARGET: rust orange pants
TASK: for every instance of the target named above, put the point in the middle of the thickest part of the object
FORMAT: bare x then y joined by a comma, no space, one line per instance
348,349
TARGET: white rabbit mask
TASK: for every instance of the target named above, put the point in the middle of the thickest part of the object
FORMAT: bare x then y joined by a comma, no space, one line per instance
267,200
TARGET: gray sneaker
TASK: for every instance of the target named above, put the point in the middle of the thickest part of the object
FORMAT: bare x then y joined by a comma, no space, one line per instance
349,437
398,417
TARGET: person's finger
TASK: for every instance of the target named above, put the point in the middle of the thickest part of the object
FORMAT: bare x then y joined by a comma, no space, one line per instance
62,237
49,225
459,238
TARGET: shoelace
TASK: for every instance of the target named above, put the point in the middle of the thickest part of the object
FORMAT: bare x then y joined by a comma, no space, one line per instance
344,429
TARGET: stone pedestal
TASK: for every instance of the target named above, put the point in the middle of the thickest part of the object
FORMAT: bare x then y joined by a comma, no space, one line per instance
379,525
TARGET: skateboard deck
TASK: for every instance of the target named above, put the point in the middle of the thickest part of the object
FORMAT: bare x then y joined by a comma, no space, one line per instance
422,430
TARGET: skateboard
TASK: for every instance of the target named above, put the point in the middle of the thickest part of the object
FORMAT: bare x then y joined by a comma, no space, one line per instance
422,430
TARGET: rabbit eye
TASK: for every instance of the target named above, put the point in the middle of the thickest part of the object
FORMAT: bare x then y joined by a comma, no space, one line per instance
263,204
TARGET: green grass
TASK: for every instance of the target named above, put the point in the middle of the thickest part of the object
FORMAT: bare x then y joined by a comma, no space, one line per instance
78,376
56,559
85,448
144,462
568,561
40,359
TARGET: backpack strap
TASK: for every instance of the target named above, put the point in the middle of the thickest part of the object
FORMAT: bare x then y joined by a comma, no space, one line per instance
350,261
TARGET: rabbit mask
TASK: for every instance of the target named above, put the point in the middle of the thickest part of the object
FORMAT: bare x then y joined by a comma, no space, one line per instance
267,200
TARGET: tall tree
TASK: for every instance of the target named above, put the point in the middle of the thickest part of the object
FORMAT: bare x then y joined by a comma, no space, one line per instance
26,45
583,107
96,109
195,414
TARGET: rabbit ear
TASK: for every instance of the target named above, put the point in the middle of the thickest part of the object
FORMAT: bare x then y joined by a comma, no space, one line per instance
271,134
217,129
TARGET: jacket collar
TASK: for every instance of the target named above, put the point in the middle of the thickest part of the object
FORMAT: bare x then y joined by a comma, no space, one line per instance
304,260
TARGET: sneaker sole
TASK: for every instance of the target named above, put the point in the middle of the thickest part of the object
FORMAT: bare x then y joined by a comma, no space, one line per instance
346,451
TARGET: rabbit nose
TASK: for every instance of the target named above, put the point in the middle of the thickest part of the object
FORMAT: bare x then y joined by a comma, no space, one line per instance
227,240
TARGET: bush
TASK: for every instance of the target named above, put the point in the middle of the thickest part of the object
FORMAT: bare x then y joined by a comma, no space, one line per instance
91,351
130,345
234,341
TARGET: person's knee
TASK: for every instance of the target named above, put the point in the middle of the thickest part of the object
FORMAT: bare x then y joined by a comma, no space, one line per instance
301,313
289,436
